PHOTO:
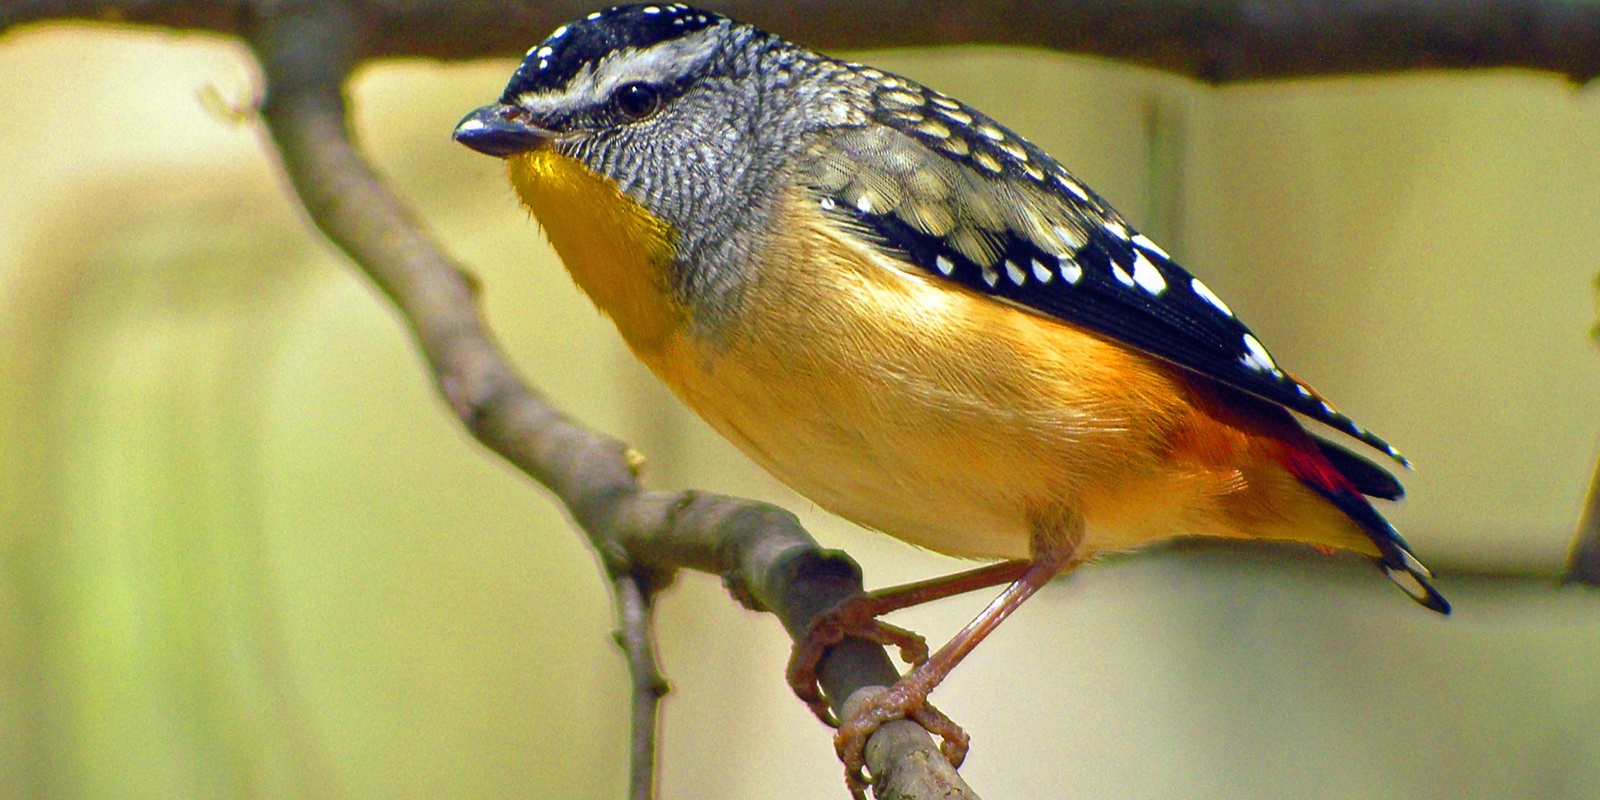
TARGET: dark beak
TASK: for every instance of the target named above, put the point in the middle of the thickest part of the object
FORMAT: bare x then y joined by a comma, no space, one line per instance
501,130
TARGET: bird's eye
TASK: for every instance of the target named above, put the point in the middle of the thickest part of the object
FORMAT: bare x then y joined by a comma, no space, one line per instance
637,100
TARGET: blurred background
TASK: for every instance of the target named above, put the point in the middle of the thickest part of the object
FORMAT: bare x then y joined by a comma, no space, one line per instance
246,552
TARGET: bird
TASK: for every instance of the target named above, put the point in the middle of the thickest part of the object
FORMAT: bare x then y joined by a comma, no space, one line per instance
917,319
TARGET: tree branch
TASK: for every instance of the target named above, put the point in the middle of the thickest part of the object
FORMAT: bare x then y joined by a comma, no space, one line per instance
1216,41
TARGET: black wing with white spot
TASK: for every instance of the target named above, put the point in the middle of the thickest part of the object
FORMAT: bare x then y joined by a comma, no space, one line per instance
969,201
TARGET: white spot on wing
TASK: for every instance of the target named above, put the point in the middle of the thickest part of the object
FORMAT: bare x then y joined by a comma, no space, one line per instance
557,33
991,132
1204,293
944,264
471,125
1256,358
1147,276
1121,275
1071,271
989,275
864,204
900,98
1015,273
1116,229
1072,186
1040,272
827,204
1144,241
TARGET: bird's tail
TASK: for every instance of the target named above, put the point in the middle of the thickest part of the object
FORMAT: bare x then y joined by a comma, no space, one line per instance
1331,479
1339,476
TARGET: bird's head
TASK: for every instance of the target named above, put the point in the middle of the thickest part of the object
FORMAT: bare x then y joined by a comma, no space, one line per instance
687,112
696,118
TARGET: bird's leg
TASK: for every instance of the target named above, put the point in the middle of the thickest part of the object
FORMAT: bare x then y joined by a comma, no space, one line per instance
908,698
858,617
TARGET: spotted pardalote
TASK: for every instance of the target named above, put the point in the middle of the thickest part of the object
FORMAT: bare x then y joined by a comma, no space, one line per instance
909,313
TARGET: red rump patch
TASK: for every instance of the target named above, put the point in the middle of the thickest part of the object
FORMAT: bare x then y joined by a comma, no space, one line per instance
1265,428
1306,462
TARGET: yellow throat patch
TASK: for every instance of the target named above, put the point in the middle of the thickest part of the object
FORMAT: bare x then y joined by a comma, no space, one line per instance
615,249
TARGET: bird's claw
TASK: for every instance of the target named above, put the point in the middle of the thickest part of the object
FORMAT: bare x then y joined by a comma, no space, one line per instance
855,617
879,706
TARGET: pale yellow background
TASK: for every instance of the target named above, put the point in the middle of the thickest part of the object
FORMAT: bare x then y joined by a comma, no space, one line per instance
247,553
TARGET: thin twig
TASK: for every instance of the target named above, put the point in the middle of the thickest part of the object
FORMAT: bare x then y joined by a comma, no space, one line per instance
635,595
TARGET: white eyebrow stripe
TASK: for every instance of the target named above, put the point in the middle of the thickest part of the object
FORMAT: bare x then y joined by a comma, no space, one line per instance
658,63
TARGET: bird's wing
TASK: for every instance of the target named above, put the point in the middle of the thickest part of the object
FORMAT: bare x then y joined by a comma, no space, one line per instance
961,197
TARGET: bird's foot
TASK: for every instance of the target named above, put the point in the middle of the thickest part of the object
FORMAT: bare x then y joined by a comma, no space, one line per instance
858,617
875,707
855,617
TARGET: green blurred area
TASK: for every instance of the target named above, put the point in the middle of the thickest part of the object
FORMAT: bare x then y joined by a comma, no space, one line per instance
248,553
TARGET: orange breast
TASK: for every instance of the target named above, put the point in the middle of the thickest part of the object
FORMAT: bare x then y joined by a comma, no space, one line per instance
927,411
615,250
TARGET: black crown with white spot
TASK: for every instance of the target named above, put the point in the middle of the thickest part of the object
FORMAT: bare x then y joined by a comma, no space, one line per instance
572,47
